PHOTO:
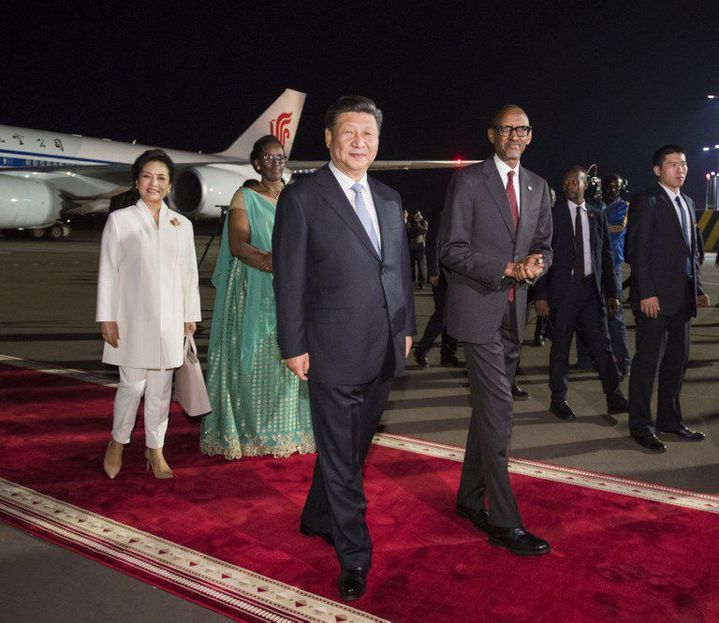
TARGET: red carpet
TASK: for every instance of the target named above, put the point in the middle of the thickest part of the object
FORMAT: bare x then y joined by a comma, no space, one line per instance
614,558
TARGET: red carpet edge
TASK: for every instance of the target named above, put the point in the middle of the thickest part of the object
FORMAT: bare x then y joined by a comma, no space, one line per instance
535,469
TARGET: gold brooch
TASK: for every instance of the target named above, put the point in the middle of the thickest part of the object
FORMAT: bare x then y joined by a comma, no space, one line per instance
174,222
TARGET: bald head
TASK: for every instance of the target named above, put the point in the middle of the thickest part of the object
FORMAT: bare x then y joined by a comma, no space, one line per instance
574,184
510,133
507,108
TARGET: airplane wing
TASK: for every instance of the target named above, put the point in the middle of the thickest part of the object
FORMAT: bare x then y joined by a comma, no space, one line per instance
308,166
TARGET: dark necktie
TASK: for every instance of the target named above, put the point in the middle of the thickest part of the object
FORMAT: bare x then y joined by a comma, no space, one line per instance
685,234
579,245
512,198
514,206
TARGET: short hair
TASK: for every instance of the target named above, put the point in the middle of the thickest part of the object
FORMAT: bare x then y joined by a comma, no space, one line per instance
261,143
352,103
612,176
152,155
500,113
576,169
664,151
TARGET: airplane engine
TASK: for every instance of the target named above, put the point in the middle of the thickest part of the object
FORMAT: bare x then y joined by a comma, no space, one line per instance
26,203
200,192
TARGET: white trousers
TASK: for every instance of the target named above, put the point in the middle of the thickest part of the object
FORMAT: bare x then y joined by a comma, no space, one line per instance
156,385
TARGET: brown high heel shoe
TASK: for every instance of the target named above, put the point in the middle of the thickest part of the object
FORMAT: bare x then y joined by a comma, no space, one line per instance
156,460
113,458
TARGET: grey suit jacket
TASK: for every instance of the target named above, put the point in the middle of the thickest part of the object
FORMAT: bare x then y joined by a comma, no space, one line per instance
478,240
336,298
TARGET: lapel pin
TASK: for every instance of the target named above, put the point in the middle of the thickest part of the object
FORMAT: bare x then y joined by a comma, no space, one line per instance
529,188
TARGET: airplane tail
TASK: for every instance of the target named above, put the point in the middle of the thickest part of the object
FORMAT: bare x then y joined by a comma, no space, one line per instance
280,119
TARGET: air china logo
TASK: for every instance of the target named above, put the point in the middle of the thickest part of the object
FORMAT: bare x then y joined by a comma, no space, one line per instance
278,127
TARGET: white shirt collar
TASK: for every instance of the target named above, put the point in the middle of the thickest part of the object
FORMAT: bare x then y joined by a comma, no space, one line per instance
345,181
573,205
672,195
504,168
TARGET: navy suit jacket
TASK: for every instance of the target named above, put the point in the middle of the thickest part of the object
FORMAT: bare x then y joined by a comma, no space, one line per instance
656,250
336,299
553,286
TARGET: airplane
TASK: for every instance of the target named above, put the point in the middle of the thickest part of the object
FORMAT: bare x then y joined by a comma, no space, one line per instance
47,176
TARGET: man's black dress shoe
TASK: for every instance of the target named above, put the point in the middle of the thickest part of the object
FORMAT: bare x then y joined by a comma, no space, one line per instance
451,361
684,433
352,583
617,403
421,358
519,393
562,410
478,518
325,536
517,540
650,442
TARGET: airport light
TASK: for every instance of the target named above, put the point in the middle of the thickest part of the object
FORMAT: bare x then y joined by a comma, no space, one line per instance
712,196
710,183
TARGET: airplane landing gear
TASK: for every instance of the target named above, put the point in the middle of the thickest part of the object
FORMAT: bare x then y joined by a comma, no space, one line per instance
56,232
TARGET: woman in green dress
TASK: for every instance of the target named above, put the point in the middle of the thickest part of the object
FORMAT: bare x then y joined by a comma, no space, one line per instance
258,406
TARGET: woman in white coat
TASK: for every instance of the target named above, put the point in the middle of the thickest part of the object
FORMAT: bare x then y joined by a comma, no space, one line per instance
147,300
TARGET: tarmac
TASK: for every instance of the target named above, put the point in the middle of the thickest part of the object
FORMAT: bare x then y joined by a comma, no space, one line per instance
47,315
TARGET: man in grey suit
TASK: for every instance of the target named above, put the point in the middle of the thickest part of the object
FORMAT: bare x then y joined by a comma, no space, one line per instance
495,239
345,314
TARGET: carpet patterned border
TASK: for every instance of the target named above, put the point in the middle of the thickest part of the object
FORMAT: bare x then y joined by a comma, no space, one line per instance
230,587
567,475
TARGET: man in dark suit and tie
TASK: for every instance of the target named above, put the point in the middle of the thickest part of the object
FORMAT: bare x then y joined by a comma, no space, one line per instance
577,290
345,317
661,247
495,237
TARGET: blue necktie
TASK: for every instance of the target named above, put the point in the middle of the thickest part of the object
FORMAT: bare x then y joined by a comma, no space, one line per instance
685,232
363,213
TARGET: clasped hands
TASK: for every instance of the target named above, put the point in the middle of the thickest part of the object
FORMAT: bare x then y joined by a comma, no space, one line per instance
265,264
528,268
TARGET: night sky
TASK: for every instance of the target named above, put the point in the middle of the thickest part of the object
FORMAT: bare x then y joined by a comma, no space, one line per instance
605,84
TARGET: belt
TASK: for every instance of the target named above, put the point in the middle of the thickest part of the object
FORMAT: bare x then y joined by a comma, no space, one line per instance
584,280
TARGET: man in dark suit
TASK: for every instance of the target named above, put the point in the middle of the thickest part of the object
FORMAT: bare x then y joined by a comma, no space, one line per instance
345,314
436,323
495,237
661,247
577,291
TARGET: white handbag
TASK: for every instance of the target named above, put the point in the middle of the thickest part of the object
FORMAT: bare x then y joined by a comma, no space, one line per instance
190,388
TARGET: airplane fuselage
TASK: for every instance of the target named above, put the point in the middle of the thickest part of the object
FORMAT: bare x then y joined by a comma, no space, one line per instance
25,148
45,175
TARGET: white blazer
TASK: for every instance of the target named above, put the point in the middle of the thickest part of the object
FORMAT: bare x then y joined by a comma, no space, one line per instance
148,284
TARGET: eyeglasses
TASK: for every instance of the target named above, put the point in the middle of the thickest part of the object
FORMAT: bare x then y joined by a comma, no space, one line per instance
506,130
278,158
